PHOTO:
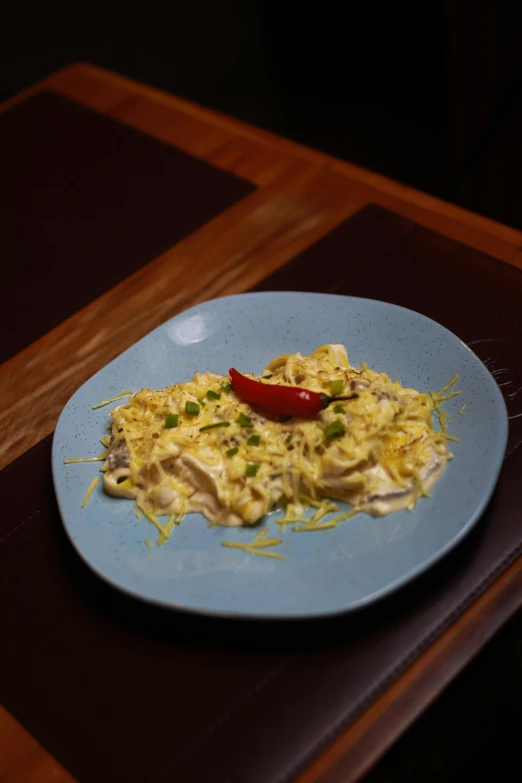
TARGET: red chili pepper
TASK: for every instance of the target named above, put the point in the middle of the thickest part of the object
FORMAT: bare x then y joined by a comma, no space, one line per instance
279,400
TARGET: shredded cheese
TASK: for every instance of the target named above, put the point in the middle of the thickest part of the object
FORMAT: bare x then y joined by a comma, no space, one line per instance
90,489
154,521
99,458
112,399
257,546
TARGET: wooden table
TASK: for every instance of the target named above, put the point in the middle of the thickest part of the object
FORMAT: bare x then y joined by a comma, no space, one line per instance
301,195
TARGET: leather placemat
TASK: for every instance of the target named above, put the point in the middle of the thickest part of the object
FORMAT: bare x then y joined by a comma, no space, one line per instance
86,201
119,690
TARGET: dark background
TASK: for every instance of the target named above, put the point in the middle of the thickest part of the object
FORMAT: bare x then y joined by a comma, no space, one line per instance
427,93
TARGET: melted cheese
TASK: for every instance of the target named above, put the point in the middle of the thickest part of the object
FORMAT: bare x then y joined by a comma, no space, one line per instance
387,456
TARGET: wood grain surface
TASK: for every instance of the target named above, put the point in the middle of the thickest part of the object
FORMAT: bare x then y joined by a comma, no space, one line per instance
302,195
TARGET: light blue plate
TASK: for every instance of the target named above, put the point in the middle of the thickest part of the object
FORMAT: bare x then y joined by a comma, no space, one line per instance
322,573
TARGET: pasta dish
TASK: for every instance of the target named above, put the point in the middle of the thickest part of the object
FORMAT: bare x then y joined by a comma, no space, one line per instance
309,429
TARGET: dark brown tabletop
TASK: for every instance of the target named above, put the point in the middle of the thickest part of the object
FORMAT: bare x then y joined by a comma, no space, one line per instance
116,689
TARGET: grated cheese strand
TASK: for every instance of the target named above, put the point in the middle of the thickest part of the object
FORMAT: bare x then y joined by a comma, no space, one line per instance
112,399
99,458
347,515
90,489
259,543
311,528
448,385
152,519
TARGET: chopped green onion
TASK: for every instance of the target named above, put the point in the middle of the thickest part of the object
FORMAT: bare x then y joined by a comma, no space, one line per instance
213,426
231,452
191,408
266,377
253,440
251,469
244,421
201,402
338,409
225,385
337,387
288,438
334,430
212,395
171,420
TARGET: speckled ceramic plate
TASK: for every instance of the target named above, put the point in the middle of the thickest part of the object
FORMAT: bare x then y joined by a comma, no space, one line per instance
323,573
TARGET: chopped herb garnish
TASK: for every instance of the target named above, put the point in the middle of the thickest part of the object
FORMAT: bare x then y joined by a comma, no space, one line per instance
334,430
338,409
225,385
191,408
266,377
212,395
244,421
251,469
171,420
231,452
214,426
337,387
253,440
201,402
288,438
